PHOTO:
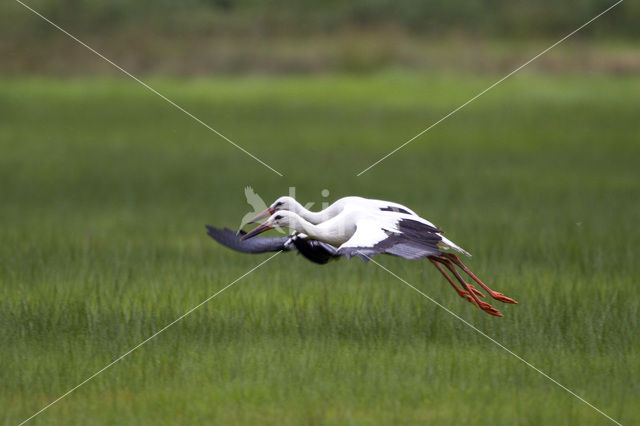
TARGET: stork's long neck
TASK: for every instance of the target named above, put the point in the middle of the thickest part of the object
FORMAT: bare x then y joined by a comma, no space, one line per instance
300,224
318,217
318,232
333,231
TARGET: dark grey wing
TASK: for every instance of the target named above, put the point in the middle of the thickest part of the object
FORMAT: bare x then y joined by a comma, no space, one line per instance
231,240
415,240
396,245
316,251
313,250
408,249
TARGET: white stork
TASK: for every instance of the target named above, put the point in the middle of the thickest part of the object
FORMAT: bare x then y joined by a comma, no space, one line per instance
364,232
292,205
286,203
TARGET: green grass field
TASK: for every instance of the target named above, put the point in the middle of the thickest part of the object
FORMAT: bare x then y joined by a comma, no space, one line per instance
105,190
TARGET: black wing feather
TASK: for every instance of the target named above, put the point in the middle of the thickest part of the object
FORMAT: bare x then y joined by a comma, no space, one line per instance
316,251
231,240
416,240
394,209
313,250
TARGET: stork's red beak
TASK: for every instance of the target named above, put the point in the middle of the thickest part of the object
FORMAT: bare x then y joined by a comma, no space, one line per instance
266,213
258,230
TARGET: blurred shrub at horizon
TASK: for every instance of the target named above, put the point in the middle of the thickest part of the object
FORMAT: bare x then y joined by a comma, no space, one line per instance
230,36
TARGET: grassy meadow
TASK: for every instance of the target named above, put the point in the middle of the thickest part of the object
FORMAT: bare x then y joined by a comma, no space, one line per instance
105,190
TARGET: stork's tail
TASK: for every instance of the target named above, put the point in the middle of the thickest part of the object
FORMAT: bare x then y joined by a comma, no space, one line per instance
447,243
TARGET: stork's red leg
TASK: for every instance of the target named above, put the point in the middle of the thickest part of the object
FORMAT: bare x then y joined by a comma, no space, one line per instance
482,305
460,292
496,295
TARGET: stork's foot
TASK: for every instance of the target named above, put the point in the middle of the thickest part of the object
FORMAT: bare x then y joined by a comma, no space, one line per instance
482,305
471,294
501,297
468,297
489,309
496,295
475,290
465,295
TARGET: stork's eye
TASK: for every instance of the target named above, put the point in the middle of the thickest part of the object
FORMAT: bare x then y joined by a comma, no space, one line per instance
278,204
278,217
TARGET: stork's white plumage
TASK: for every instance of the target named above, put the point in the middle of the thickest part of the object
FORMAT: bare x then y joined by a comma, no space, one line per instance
375,207
290,204
363,231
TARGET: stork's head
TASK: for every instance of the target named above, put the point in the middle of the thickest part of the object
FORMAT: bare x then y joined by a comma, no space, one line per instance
281,219
282,203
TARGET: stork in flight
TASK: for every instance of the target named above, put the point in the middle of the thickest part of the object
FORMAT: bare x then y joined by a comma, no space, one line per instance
286,203
290,204
364,230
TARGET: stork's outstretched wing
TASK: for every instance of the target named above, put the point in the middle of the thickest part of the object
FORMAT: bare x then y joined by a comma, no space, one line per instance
407,238
230,239
313,250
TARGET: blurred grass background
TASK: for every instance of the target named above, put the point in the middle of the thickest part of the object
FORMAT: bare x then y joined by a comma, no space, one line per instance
105,190
201,37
